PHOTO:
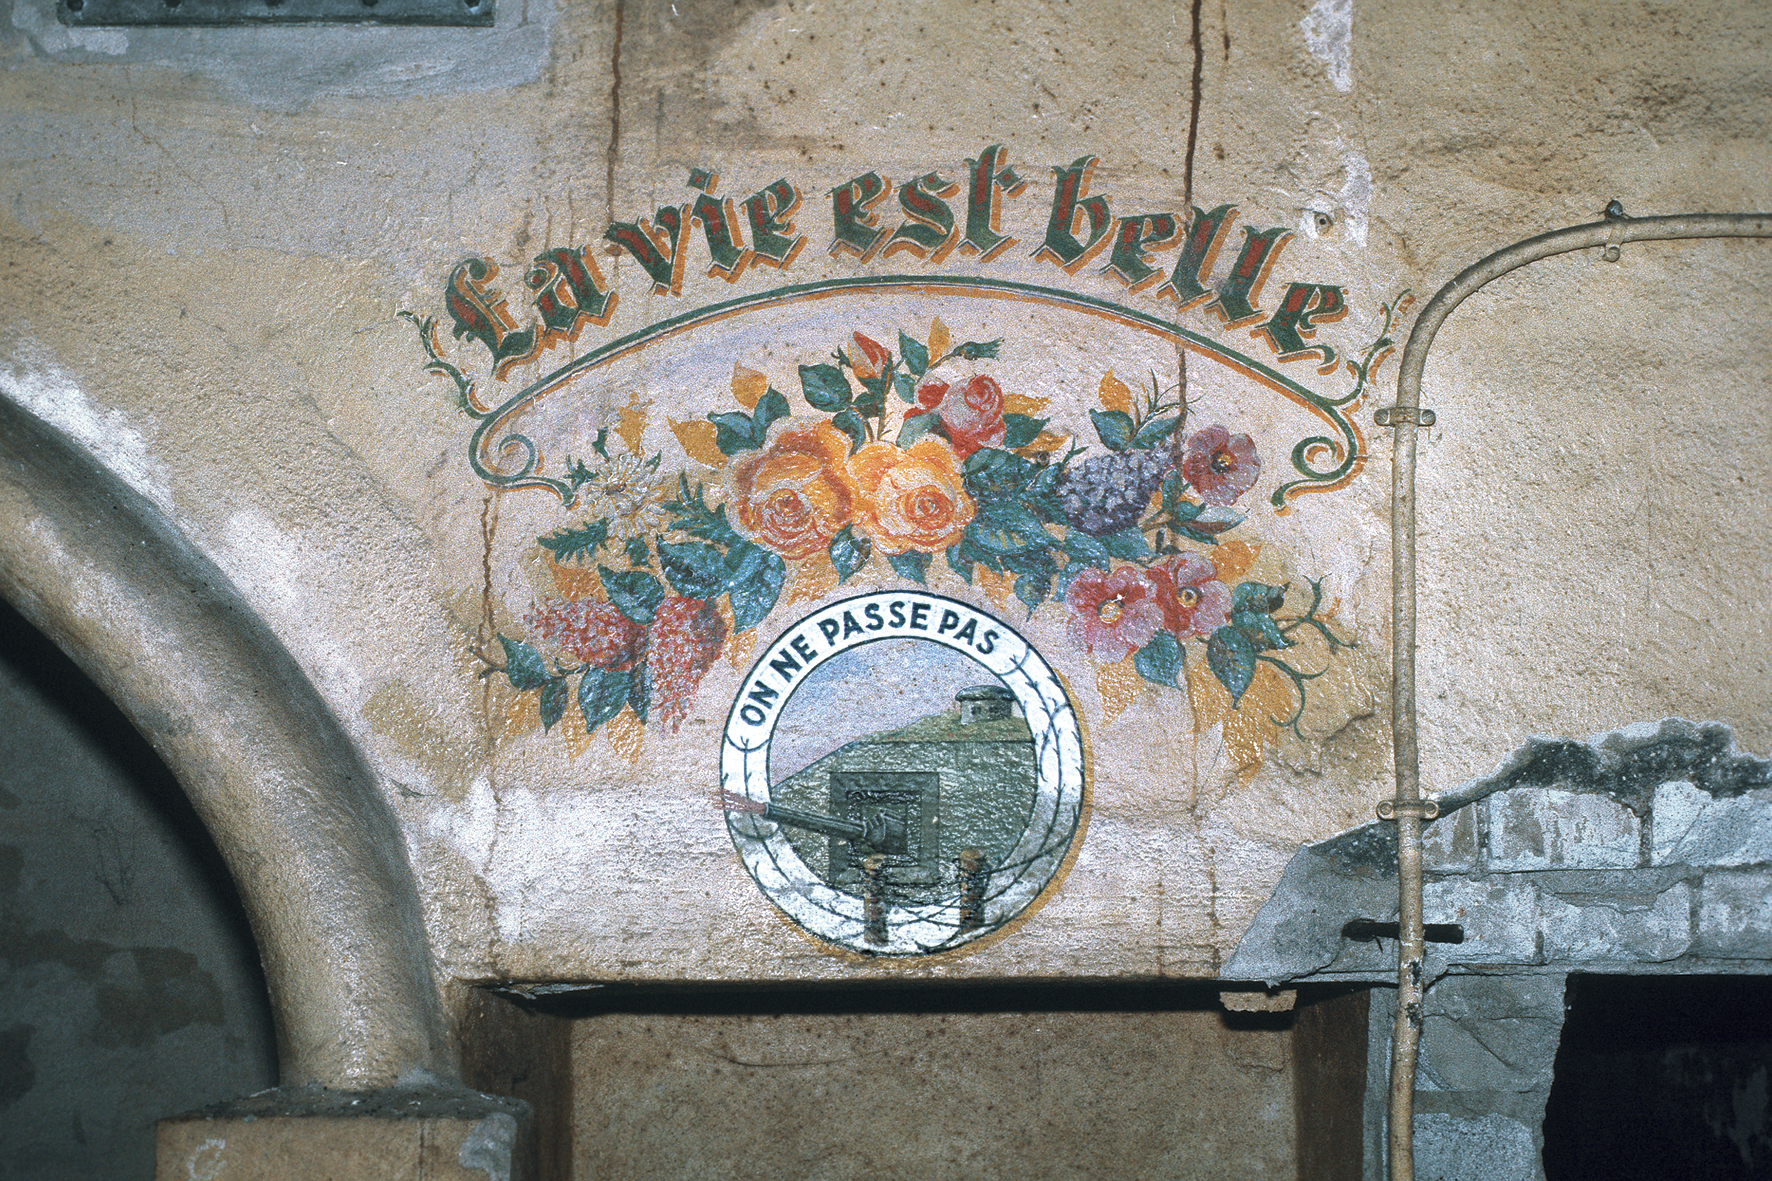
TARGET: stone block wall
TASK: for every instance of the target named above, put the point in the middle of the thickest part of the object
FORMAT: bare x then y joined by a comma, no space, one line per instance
1645,850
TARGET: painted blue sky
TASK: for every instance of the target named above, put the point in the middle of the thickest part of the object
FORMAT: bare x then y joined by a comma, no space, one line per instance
878,686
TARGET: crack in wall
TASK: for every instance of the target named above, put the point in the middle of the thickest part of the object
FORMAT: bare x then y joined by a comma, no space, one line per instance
613,155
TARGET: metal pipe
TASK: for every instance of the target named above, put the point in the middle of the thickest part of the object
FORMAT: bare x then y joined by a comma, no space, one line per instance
1408,808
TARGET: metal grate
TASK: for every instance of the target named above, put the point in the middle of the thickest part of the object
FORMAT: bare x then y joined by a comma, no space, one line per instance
276,12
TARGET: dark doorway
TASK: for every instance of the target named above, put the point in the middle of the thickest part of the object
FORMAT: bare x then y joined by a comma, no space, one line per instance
130,986
1662,1078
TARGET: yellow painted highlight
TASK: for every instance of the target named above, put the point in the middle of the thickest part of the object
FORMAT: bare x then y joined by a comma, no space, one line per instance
939,340
1249,729
1233,558
748,387
998,586
697,441
1119,686
633,419
576,582
627,734
1114,393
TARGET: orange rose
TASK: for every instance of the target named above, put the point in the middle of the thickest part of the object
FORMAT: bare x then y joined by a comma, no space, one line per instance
796,494
911,499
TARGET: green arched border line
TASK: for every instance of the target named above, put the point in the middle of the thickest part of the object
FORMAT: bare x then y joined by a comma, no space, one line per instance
1346,447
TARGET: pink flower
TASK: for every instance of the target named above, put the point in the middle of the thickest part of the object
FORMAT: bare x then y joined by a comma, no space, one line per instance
1114,614
972,416
1221,466
1194,601
593,631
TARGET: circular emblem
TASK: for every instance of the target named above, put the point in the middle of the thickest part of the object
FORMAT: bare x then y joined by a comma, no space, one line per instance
902,773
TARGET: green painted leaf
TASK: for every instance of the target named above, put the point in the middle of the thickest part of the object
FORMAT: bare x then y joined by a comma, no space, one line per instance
973,350
1113,427
995,474
554,696
872,401
1231,657
754,584
913,565
850,552
959,564
1006,527
732,432
972,552
1257,596
601,443
1127,543
638,554
1031,561
916,356
635,593
1261,629
640,691
1032,589
906,386
916,426
690,513
770,407
696,570
523,665
601,694
850,423
825,387
1160,660
1019,430
571,545
1155,431
1084,548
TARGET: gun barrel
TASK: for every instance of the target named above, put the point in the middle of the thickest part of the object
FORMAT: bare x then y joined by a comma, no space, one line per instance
830,826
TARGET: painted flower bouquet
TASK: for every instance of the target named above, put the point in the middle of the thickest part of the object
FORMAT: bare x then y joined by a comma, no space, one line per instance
908,458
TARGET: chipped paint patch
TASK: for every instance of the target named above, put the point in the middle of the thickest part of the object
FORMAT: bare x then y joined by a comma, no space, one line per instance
1329,35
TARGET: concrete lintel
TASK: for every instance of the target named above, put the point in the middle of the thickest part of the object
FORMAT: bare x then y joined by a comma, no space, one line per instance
445,1133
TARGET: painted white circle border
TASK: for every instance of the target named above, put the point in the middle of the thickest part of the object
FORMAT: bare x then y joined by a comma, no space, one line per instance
920,929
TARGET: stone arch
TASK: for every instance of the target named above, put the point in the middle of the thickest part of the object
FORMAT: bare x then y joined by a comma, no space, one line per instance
313,847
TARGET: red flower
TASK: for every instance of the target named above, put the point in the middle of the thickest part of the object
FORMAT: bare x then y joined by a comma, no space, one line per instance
1114,614
972,417
1193,600
596,633
867,357
1221,466
687,635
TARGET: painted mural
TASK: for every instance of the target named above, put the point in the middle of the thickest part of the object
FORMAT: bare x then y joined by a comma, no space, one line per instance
916,838
945,399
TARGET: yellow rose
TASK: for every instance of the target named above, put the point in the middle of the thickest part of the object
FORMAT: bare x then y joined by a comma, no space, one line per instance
796,494
914,499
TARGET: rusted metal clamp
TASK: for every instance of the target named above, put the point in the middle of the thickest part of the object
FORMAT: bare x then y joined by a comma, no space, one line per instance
1398,415
1425,809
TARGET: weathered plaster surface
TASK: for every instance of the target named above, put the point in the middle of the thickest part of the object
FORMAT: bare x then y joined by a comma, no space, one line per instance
207,257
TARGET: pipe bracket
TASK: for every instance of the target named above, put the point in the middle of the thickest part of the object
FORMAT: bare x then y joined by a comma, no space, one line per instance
1425,809
1399,415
